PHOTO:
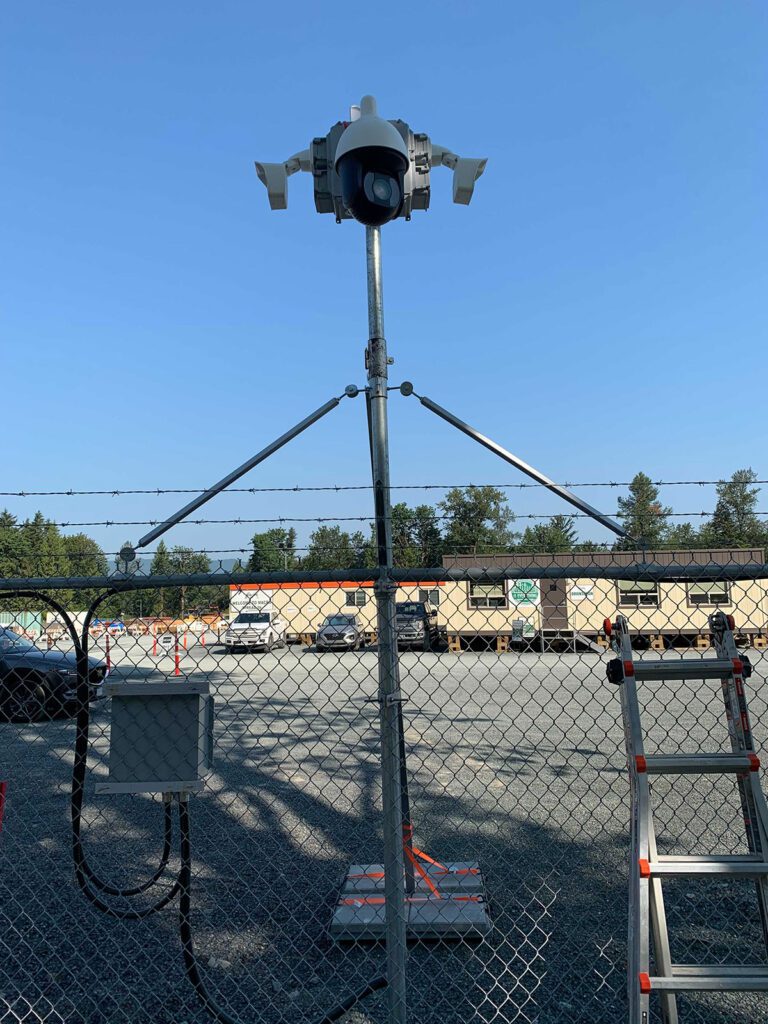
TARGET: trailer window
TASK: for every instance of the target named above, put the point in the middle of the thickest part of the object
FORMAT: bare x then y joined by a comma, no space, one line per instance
487,595
634,593
356,598
433,596
708,593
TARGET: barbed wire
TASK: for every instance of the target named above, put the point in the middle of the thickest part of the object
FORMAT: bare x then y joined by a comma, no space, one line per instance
116,492
346,519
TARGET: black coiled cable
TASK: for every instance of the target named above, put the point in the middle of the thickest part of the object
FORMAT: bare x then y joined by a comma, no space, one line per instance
188,949
84,874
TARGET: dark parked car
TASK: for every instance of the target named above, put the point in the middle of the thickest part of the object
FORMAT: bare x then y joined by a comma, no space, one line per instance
340,632
416,625
37,684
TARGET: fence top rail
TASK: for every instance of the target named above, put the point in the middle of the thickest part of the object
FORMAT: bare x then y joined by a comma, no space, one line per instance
645,571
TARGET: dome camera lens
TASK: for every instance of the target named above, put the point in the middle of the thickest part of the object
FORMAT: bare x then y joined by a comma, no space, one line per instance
372,179
382,189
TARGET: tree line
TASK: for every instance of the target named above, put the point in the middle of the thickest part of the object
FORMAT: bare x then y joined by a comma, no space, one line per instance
37,548
469,520
478,520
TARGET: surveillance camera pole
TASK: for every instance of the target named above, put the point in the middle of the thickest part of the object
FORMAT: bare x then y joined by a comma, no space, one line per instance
392,740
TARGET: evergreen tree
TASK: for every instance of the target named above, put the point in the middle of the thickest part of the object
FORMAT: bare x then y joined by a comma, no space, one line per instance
477,520
330,547
273,550
682,537
186,561
11,552
734,523
42,547
83,556
559,534
427,537
36,547
160,566
416,538
161,562
645,518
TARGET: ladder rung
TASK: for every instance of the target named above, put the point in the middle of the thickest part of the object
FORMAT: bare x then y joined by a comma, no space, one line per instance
746,866
685,668
694,978
700,764
712,858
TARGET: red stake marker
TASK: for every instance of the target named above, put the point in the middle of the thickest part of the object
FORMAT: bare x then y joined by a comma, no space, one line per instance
177,658
154,638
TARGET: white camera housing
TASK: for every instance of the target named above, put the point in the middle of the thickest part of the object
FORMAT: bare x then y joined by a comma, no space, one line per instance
466,171
371,160
370,145
275,177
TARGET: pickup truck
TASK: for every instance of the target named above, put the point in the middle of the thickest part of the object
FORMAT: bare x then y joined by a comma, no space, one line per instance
416,625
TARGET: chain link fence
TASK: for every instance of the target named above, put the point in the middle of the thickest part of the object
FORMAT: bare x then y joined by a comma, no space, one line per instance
516,776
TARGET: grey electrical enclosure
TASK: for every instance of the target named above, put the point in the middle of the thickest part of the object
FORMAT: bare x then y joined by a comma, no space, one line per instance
161,737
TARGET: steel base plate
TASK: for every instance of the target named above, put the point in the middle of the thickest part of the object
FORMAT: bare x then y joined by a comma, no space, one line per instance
459,912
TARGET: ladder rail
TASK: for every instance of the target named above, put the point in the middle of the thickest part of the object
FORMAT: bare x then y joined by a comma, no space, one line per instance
647,915
753,803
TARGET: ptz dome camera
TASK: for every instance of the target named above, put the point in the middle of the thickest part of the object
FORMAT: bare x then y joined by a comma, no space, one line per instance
371,162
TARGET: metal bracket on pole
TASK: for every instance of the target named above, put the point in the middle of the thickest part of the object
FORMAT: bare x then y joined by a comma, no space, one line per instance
406,388
230,478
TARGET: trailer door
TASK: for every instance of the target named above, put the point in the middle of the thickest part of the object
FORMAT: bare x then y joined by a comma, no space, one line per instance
554,605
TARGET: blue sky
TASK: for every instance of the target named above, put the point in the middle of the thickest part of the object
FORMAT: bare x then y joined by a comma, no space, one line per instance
599,308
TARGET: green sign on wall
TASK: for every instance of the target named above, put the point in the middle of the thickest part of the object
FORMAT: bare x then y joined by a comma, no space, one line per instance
523,592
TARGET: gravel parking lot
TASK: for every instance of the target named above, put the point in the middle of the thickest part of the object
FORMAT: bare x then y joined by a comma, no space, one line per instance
515,760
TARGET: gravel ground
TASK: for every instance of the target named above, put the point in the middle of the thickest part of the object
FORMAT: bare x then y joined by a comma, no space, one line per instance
515,760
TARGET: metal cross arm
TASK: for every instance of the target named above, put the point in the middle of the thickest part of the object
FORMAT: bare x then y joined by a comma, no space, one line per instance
406,388
230,478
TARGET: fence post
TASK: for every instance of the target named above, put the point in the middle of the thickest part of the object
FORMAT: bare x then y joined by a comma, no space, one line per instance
389,684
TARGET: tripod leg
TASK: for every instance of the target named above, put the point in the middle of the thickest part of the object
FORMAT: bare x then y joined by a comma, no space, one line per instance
513,460
230,478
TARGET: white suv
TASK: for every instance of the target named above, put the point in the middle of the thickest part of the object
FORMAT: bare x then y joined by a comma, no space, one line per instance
256,629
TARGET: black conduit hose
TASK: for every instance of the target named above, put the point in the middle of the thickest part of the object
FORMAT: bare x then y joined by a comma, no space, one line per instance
84,874
183,885
164,858
188,948
83,871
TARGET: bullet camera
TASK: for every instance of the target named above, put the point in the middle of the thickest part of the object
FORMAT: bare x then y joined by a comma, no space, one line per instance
371,162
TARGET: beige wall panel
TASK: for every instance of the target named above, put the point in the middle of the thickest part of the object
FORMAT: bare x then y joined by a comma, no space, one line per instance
592,601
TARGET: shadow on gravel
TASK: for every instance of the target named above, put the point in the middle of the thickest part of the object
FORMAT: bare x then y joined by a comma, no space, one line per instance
293,799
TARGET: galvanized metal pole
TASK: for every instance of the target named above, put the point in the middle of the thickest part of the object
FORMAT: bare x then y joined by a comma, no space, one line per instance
389,683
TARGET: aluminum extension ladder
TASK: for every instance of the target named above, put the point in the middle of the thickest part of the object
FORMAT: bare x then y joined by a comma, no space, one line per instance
648,869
